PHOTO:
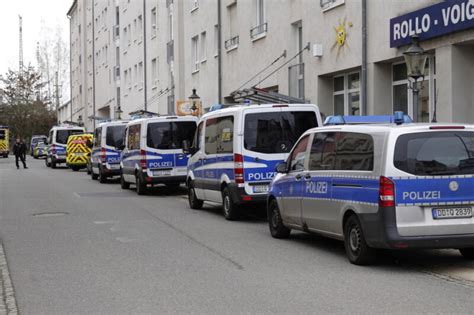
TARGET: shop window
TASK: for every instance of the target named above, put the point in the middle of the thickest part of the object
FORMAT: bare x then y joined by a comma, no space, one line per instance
346,92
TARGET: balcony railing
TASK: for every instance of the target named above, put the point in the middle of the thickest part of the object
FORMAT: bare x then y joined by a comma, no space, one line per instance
258,30
296,80
232,43
170,51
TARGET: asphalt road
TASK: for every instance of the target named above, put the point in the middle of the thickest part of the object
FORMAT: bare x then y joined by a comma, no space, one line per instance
74,245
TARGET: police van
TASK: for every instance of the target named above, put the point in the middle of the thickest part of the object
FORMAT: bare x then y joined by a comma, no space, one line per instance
105,156
4,141
35,139
57,142
236,149
392,186
153,151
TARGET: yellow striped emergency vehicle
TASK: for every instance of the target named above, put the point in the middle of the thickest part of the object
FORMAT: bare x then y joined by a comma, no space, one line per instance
78,151
4,141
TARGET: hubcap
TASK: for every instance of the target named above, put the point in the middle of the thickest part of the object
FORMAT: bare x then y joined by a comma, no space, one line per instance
354,238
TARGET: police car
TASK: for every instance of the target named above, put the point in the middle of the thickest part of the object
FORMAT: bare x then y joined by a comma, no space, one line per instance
105,155
394,186
57,141
153,151
236,150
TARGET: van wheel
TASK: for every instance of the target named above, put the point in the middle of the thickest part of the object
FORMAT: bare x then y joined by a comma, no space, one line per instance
467,253
230,209
123,183
94,176
75,169
194,202
277,229
46,162
357,250
102,177
141,186
53,164
88,167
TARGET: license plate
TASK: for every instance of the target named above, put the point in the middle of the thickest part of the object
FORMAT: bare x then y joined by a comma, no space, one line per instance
260,188
114,166
452,213
162,173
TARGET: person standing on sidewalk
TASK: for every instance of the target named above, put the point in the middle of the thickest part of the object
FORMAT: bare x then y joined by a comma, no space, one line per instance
19,149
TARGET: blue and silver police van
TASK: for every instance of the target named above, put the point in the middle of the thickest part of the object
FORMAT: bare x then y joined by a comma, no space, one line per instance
105,155
392,186
153,151
57,142
236,149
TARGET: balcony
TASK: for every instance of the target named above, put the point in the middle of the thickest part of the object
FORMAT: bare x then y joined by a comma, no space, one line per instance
170,51
296,80
231,43
259,31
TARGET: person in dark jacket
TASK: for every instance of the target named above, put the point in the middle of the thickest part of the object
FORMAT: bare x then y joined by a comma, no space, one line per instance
19,149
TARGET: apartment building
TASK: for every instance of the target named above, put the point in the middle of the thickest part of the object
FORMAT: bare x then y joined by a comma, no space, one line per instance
313,50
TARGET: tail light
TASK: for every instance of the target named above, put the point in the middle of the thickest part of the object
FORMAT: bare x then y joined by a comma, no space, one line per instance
239,168
103,155
386,192
53,149
143,159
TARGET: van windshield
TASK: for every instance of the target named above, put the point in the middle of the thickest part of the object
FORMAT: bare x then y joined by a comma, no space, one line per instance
435,153
115,135
62,135
2,134
276,132
169,135
38,139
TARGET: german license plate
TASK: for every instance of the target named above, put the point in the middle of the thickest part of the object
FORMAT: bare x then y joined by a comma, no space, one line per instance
114,166
260,188
162,173
452,213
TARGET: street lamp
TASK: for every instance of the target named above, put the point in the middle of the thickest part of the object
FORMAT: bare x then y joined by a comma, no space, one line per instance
118,112
79,120
415,58
194,99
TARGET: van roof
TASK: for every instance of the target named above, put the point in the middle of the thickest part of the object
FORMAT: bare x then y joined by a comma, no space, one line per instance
112,122
392,127
162,118
244,107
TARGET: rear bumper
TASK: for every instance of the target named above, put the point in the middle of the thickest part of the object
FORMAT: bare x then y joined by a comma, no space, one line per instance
380,231
164,179
241,197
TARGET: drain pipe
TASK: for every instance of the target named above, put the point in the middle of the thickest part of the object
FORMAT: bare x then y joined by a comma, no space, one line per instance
219,52
363,81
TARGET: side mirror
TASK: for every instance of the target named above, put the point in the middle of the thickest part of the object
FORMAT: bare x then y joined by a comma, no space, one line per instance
282,168
89,144
187,149
121,147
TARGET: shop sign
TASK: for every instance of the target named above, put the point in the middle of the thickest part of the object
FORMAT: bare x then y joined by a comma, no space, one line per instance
437,20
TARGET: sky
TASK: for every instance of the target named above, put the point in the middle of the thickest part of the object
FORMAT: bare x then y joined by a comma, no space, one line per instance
33,12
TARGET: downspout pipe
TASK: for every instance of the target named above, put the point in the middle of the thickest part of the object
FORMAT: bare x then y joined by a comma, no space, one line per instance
144,57
93,64
219,52
363,87
70,66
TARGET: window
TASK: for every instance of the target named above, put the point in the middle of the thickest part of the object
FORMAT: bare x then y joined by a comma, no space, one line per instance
2,134
297,159
197,142
135,74
203,53
225,134
346,93
276,132
134,137
232,41
169,135
140,74
63,135
327,5
154,22
125,77
154,72
435,153
195,53
402,96
129,32
216,40
195,5
210,138
114,136
260,26
323,152
355,152
140,28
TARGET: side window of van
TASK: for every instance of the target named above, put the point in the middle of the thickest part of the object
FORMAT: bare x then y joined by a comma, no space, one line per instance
298,155
210,139
323,151
97,136
355,152
134,137
225,134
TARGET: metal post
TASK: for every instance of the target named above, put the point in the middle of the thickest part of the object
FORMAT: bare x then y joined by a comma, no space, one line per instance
415,100
363,81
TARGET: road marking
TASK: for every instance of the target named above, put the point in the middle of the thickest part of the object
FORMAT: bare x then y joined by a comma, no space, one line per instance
77,195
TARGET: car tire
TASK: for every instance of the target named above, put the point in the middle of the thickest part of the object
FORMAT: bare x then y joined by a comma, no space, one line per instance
275,222
229,208
88,169
75,169
46,162
102,177
53,164
141,186
357,250
123,183
94,176
467,253
194,202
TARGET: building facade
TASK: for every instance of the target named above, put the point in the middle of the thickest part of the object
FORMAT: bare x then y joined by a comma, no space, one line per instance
345,56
